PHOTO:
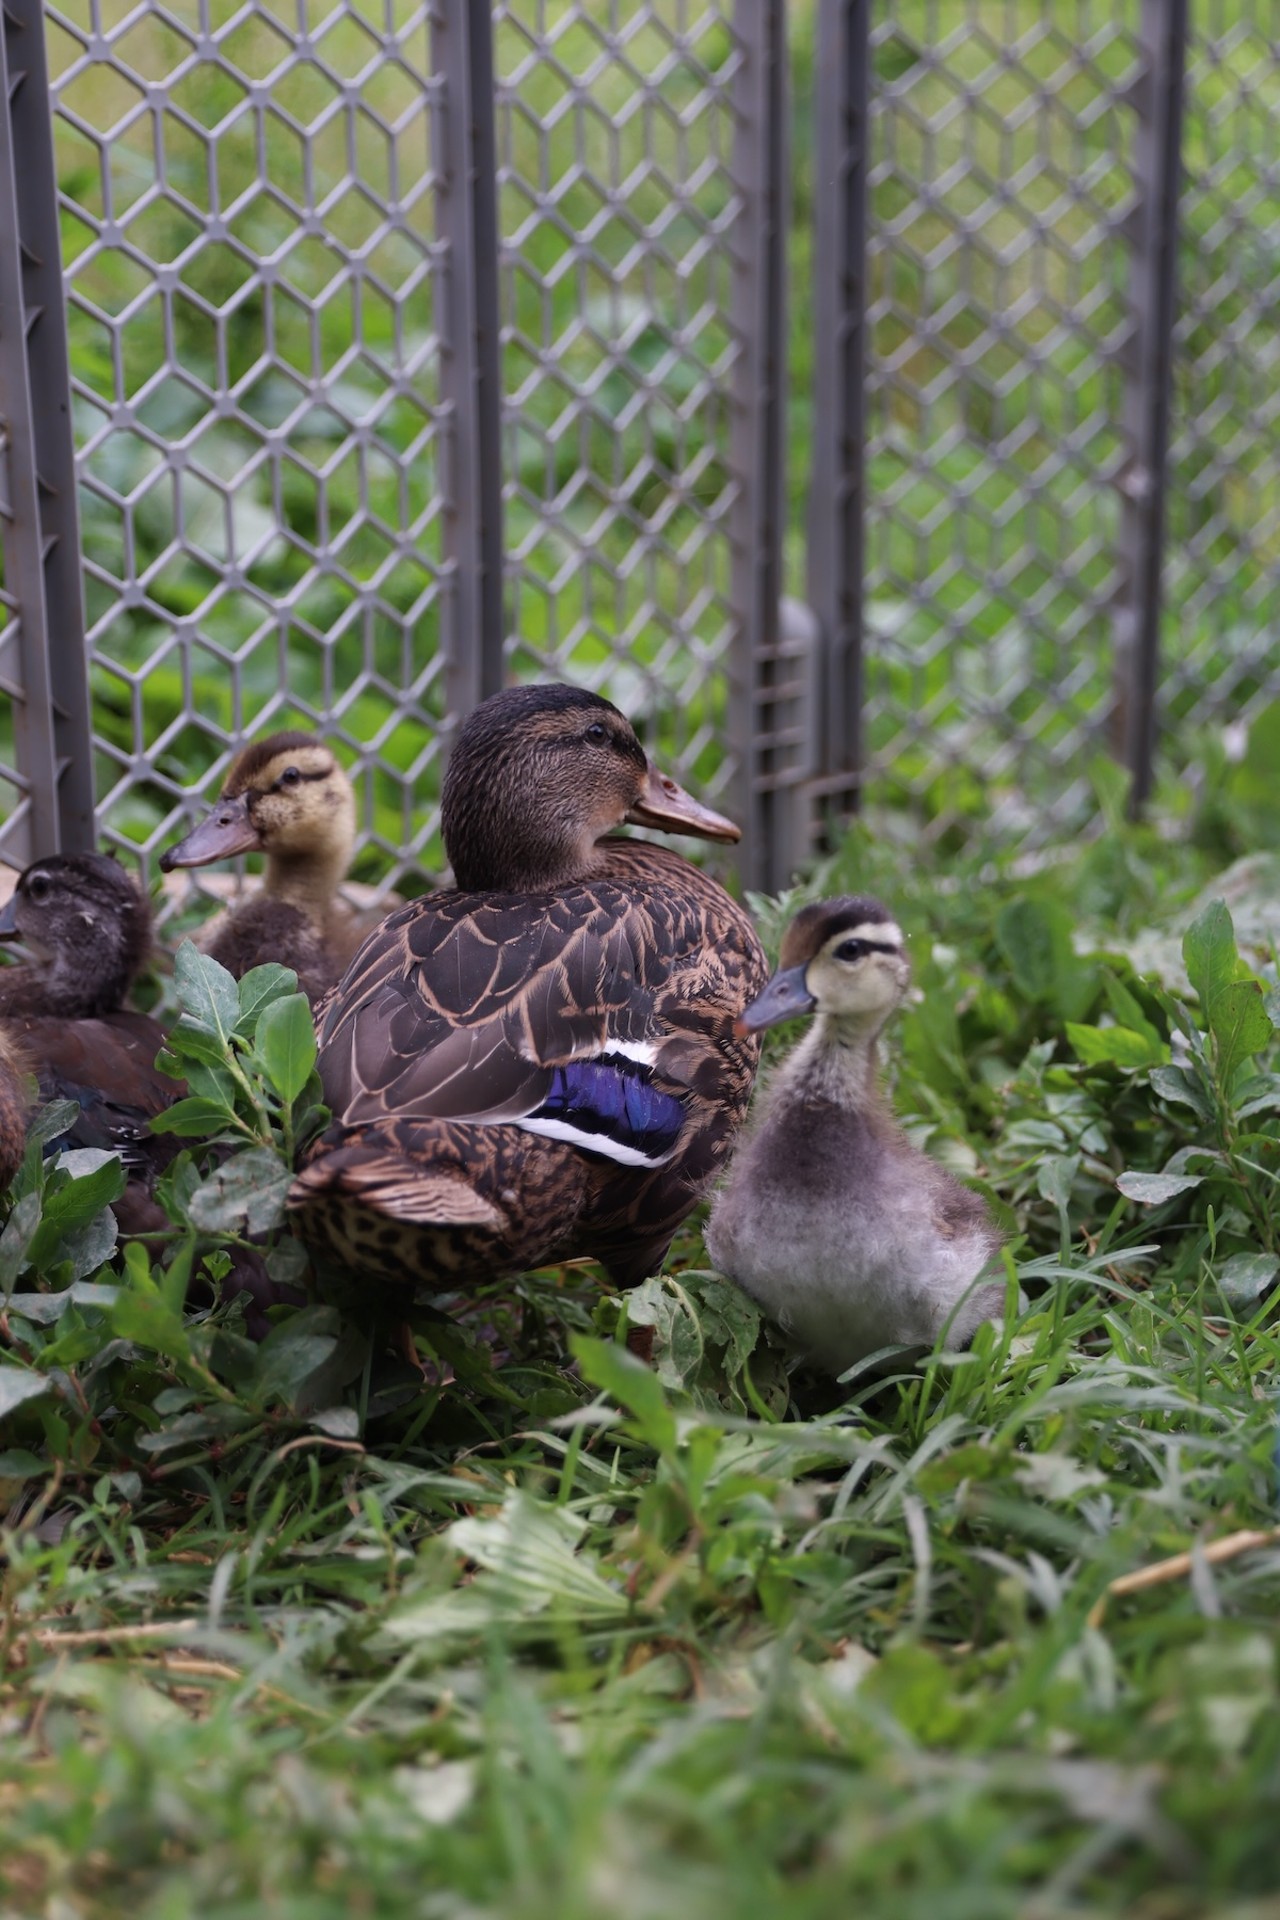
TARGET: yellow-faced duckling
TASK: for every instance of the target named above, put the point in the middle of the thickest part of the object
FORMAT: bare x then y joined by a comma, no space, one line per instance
843,1231
286,797
87,926
539,1062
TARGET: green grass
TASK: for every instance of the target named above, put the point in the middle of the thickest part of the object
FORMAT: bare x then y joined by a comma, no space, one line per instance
286,1630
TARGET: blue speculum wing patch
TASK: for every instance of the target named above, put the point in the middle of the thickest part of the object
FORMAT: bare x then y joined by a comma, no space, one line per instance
614,1103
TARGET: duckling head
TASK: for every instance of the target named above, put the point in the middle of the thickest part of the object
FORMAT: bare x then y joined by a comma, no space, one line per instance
87,925
844,959
288,797
536,778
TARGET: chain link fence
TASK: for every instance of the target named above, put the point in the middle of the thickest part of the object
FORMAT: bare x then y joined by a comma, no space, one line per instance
412,343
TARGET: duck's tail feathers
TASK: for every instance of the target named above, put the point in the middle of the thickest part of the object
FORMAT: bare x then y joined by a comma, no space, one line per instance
390,1185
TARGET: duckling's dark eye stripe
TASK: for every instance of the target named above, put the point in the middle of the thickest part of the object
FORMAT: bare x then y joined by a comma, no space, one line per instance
323,774
855,949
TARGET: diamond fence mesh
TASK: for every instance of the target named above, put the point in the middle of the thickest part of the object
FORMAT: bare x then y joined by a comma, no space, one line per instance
322,409
617,207
1000,177
1220,652
252,273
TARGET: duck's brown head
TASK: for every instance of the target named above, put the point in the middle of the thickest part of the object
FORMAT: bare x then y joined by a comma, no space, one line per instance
538,775
286,796
844,958
87,925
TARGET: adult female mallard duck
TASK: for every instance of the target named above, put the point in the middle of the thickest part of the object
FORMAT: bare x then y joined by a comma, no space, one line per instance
841,1229
539,1062
287,797
87,927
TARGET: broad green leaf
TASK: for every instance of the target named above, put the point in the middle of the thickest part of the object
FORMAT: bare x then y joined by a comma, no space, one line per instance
18,1464
1035,937
1055,1178
19,1230
632,1384
82,1250
293,1353
1182,1088
17,1385
190,1040
1128,1012
341,1423
1209,953
43,1309
1245,1276
206,1423
259,988
142,1314
97,1178
194,1119
1115,1046
1240,1026
286,1045
209,1080
247,1193
52,1120
1152,1189
206,991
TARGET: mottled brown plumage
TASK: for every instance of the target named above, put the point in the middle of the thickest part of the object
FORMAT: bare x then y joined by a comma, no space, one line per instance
539,1063
288,797
849,1236
87,927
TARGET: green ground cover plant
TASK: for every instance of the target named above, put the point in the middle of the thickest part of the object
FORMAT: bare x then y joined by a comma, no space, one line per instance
288,1627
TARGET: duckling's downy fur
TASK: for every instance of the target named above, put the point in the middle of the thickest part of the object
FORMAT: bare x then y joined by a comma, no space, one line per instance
844,1232
287,797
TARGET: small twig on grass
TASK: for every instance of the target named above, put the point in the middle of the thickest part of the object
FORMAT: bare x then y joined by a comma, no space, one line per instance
1178,1565
50,1638
319,1440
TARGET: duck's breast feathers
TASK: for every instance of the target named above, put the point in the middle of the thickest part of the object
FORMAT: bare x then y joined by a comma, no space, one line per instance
570,1014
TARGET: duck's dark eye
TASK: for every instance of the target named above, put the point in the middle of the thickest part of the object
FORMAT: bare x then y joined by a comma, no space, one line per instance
290,777
851,950
596,733
38,887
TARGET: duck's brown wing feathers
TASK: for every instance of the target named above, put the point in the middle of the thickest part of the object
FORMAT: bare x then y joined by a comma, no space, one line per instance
601,1015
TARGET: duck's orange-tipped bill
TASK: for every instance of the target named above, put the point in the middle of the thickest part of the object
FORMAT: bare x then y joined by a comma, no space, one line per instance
664,803
225,831
785,998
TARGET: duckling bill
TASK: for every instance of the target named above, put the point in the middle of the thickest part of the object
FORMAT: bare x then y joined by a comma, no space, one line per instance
843,1231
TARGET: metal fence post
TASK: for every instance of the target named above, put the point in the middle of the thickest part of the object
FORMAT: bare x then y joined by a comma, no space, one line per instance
836,502
470,365
1157,102
38,488
762,699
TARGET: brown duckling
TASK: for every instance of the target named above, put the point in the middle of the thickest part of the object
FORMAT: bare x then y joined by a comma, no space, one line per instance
843,1231
16,1084
87,926
539,1062
288,797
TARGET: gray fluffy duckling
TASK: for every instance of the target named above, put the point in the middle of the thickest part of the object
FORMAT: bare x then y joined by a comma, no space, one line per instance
846,1234
288,797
